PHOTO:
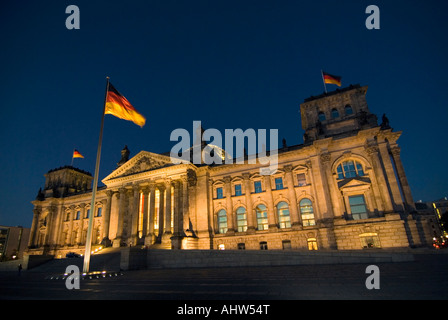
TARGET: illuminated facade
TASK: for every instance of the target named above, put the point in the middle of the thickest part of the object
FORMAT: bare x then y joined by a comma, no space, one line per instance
344,188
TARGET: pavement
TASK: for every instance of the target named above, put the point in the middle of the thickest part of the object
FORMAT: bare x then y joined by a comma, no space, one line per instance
426,278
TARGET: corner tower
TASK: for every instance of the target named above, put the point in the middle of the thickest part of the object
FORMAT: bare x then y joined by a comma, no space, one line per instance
341,112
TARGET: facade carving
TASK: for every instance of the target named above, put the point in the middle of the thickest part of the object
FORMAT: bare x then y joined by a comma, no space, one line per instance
344,189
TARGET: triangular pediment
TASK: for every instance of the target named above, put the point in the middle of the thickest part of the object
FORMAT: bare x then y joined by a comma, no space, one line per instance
354,182
142,162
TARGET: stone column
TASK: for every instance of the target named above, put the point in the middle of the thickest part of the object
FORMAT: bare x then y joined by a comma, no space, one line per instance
34,227
176,239
251,219
295,219
271,210
166,238
145,212
372,151
121,202
70,226
410,205
161,209
390,177
149,239
229,205
134,213
106,217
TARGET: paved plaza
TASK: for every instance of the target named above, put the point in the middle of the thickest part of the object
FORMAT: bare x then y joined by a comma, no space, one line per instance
425,278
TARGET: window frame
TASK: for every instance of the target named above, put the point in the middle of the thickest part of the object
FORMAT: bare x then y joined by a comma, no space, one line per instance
278,184
241,219
262,220
358,215
308,218
345,171
222,224
284,220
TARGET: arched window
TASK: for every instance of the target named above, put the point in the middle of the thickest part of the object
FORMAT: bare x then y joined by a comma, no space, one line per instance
283,215
307,212
348,110
222,221
321,116
349,169
262,217
241,219
334,114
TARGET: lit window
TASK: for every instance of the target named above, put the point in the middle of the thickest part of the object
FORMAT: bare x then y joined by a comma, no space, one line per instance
241,219
222,221
238,190
307,212
334,114
349,169
301,179
312,243
257,186
221,247
283,215
219,194
358,207
262,217
278,183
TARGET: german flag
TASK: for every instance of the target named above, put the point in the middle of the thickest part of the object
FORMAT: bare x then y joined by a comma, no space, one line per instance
77,154
331,79
117,105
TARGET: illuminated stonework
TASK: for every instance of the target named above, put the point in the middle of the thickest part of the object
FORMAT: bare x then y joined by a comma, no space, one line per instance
344,188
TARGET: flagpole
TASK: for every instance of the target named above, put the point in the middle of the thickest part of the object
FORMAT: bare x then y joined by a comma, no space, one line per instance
71,165
323,79
94,187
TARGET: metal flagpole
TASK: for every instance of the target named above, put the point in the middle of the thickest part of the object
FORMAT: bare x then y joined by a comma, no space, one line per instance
323,79
94,187
72,157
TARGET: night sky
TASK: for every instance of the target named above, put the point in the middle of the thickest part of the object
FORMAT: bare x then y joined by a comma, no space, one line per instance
230,64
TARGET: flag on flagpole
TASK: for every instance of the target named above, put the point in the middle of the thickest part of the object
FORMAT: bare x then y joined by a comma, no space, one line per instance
118,106
77,154
331,79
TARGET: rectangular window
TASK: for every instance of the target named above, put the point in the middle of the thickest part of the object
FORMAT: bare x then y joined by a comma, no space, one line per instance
370,240
263,245
238,190
278,183
241,246
301,179
257,186
286,244
99,212
219,194
88,212
358,207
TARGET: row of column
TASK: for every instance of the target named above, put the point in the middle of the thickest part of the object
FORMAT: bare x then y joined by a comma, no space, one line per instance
129,222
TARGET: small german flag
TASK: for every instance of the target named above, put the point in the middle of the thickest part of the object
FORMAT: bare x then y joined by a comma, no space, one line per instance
119,106
77,154
331,79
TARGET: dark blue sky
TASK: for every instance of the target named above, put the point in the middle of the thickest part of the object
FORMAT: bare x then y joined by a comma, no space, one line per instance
231,64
